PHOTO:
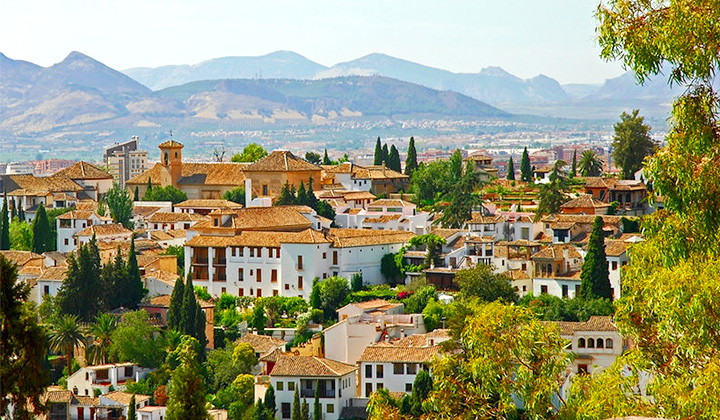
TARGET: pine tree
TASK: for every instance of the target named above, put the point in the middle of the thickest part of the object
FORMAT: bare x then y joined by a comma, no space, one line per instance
573,168
595,276
378,153
176,304
394,159
4,226
187,391
187,316
326,159
385,154
411,161
525,169
112,276
317,408
133,286
302,198
131,409
42,233
270,406
510,170
296,415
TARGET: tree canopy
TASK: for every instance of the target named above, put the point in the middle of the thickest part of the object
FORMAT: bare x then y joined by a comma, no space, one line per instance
526,174
480,281
42,234
590,164
120,204
251,153
632,143
168,193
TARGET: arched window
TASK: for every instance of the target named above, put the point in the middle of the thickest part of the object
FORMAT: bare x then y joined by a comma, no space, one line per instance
600,344
609,343
591,343
167,158
581,343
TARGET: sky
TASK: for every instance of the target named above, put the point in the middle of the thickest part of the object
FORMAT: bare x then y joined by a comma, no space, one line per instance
525,37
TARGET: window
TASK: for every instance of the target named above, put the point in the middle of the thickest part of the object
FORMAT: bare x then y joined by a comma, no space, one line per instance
273,275
66,241
240,251
609,343
379,371
582,369
380,386
524,266
411,368
408,387
240,275
46,290
285,408
300,262
265,189
564,290
368,371
398,368
252,252
614,265
223,290
258,275
543,290
291,386
330,408
581,343
335,258
276,292
591,343
259,292
600,344
280,386
287,286
368,390
300,282
324,255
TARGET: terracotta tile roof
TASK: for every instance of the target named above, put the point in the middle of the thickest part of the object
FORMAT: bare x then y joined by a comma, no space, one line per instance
383,219
159,235
522,242
342,168
62,196
48,183
225,174
88,205
167,217
57,395
53,274
171,144
595,324
30,271
262,218
125,397
516,274
353,211
479,156
615,248
161,300
21,257
358,195
555,252
397,354
101,230
478,219
615,184
262,343
375,304
584,201
291,365
387,202
82,215
378,172
343,238
56,256
163,276
30,193
582,218
562,225
445,233
270,239
421,340
84,170
144,211
219,203
282,161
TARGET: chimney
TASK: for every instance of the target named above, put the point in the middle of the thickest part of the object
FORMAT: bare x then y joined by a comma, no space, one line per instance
402,333
248,192
383,166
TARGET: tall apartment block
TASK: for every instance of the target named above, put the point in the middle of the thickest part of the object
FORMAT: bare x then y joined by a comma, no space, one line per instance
125,160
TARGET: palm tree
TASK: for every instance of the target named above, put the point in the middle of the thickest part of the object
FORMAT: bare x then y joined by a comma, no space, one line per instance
101,339
66,333
590,164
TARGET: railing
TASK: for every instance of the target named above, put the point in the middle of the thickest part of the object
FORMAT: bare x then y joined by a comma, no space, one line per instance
200,261
310,393
219,261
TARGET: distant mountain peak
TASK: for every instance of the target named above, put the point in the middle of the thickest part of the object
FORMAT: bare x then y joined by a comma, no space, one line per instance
496,72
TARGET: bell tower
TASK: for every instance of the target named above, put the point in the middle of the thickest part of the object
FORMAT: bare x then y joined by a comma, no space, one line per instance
171,159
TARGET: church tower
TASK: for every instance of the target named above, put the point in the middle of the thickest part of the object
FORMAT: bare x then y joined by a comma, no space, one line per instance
171,159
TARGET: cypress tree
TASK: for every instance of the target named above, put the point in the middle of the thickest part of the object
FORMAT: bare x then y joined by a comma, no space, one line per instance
411,161
312,200
187,316
133,287
136,195
595,276
176,304
525,169
200,330
296,415
4,226
13,209
270,406
21,215
317,411
385,154
131,409
326,159
187,390
80,292
42,234
573,168
302,198
511,170
259,412
286,196
378,153
305,410
148,190
394,159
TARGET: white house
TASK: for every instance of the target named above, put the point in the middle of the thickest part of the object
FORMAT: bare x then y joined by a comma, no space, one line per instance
335,382
48,283
72,222
104,233
393,367
101,377
376,305
120,401
557,271
151,412
616,252
166,221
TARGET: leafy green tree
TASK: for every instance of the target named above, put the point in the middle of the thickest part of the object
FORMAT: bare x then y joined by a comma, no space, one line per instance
326,160
21,236
356,282
174,316
510,170
244,357
199,333
394,159
551,195
168,193
100,332
80,293
13,209
389,268
120,204
552,308
433,247
42,234
135,340
333,292
270,401
632,143
573,167
23,347
236,195
461,199
378,157
4,226
313,157
480,281
296,415
149,187
526,174
136,194
595,276
422,385
315,294
21,213
590,164
66,334
259,412
417,302
187,389
411,162
251,153
311,199
131,409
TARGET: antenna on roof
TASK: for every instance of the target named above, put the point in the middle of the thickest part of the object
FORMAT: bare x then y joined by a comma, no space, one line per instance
170,133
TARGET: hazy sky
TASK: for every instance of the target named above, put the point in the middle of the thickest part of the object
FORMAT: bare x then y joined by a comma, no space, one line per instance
525,37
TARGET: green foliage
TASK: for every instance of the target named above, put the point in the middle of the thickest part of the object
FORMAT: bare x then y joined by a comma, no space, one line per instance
356,282
385,154
244,357
333,291
630,225
42,238
552,308
434,314
573,166
168,193
317,408
461,198
23,347
52,214
411,163
21,235
590,164
480,281
380,291
595,275
100,332
66,333
251,153
286,197
389,268
632,143
270,401
416,303
550,196
4,225
422,385
187,315
80,293
313,157
131,414
179,252
120,204
259,412
202,294
326,159
174,315
236,195
394,159
526,174
433,247
305,410
378,156
510,170
187,390
296,415
130,290
134,340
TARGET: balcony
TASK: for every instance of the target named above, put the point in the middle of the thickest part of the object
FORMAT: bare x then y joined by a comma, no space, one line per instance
200,261
219,261
324,393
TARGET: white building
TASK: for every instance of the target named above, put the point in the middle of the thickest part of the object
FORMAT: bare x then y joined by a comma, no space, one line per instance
48,283
557,271
101,377
335,381
72,222
151,412
103,233
393,367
